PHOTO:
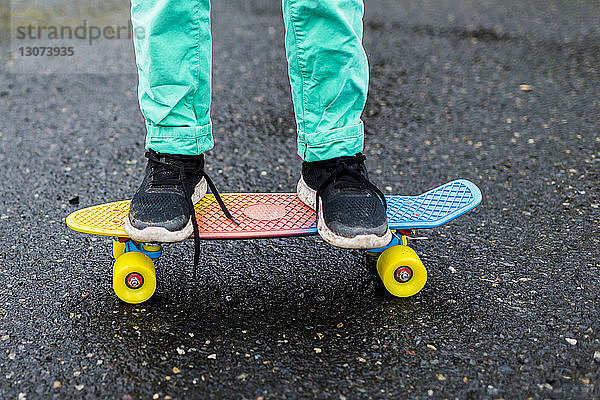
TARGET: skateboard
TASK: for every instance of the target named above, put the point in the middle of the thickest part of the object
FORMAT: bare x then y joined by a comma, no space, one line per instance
271,215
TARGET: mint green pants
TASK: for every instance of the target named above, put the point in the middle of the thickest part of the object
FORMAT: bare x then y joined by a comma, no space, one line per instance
327,67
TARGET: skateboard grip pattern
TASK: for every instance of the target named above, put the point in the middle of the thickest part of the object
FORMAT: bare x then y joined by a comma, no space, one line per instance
256,214
433,208
105,219
264,215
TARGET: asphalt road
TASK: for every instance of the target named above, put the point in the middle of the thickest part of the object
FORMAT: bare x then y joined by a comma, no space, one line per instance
511,307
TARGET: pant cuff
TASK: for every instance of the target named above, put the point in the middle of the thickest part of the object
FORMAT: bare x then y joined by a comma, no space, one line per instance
346,141
185,140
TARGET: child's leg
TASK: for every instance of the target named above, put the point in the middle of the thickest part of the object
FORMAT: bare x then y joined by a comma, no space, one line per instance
174,55
329,75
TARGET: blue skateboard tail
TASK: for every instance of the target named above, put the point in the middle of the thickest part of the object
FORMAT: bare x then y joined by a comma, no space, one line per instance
433,208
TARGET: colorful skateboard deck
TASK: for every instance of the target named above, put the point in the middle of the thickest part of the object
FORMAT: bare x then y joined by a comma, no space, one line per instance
267,215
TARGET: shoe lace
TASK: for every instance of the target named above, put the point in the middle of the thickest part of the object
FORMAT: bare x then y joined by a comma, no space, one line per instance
172,172
345,175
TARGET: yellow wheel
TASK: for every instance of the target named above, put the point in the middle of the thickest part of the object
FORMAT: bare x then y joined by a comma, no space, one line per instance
401,271
134,277
118,248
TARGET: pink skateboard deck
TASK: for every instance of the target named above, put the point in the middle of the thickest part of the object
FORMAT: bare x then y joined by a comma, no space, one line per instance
266,215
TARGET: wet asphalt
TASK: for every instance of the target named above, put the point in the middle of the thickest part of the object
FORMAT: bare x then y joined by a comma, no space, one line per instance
511,306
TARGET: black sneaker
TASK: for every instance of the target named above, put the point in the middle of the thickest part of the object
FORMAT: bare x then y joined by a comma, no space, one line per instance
351,210
161,208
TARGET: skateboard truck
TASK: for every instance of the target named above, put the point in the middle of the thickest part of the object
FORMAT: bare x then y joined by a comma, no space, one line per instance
399,237
152,250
